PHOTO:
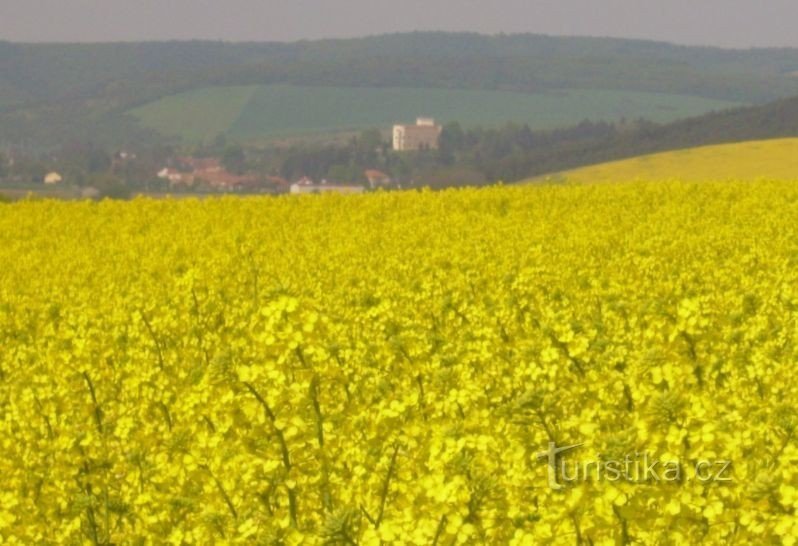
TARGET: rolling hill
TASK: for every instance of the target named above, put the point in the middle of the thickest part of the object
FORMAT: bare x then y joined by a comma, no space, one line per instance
549,156
56,93
775,159
259,112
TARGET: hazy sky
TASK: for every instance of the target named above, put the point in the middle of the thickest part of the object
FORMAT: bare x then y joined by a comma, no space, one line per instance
733,23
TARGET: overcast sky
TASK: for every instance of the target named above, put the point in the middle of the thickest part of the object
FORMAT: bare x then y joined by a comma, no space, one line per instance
730,23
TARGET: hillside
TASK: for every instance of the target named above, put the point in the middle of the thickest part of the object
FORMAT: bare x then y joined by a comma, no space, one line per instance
775,159
559,151
55,93
259,112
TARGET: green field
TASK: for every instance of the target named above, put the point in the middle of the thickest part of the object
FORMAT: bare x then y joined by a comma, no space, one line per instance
197,114
274,111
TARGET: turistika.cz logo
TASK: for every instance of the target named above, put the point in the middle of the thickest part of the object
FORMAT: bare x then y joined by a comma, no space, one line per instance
638,467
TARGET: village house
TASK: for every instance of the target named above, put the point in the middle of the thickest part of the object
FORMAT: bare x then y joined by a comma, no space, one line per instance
175,177
53,178
208,172
377,178
305,185
424,135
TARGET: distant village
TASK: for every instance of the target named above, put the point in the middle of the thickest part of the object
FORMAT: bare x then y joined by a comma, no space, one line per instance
185,173
189,172
209,174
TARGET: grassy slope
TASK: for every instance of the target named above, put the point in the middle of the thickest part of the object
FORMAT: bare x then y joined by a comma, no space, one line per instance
760,159
283,110
196,114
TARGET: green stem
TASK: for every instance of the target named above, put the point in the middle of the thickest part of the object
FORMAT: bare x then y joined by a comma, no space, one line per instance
292,505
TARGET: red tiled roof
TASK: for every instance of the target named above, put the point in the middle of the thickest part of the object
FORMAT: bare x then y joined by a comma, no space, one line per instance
373,173
210,171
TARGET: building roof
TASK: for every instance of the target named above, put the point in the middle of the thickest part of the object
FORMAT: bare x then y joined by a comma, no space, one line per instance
420,124
373,173
209,170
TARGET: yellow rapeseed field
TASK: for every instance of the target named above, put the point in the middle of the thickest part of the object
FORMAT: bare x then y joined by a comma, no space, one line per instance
399,368
775,159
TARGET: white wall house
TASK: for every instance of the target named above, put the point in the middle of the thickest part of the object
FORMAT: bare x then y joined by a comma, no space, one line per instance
423,135
53,178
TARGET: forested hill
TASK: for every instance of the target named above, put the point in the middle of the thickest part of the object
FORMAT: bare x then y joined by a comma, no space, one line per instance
47,71
51,92
557,151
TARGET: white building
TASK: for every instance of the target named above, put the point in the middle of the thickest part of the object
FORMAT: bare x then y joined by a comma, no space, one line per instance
306,185
424,135
53,178
175,177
